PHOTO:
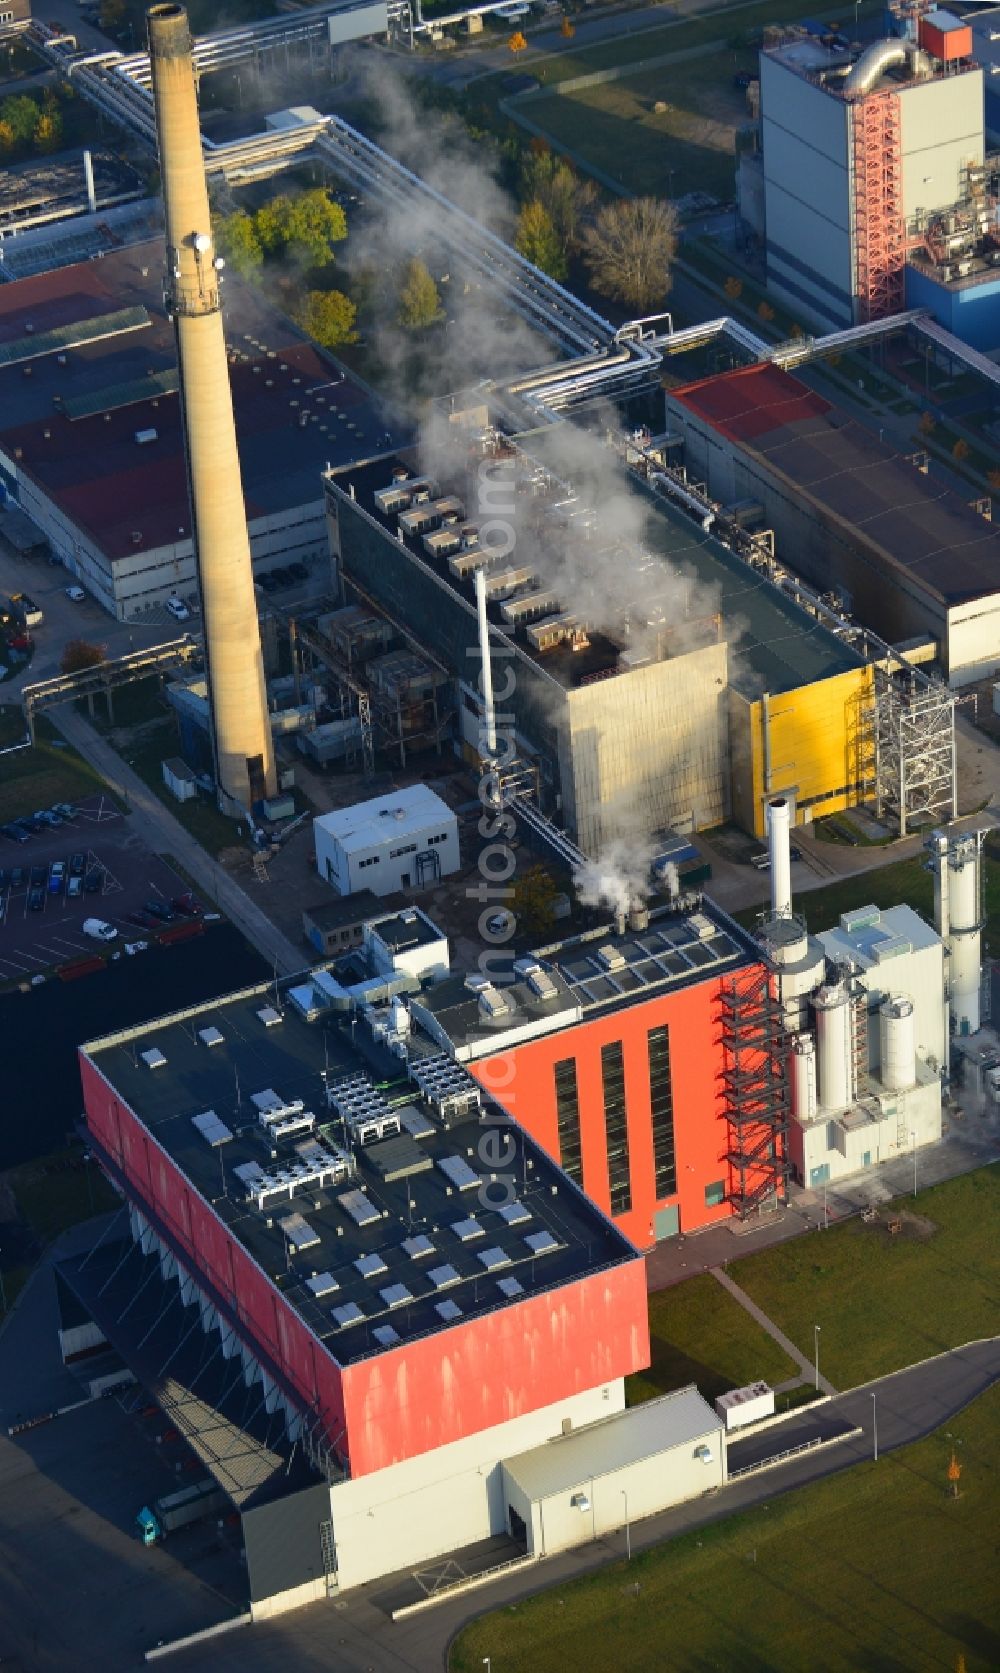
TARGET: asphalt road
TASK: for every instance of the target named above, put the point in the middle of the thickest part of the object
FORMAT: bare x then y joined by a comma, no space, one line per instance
356,1636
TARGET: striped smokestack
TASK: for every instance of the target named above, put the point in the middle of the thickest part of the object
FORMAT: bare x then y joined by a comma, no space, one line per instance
241,733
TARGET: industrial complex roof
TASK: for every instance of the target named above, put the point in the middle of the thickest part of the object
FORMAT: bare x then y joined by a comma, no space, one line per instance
401,813
630,1437
75,398
780,647
832,460
601,969
872,935
370,1209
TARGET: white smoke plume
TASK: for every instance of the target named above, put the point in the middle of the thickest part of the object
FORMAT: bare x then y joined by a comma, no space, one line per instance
619,876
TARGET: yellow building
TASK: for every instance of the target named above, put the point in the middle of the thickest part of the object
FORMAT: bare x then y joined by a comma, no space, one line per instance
813,742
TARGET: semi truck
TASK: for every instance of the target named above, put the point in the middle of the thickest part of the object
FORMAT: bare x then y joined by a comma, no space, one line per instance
176,1510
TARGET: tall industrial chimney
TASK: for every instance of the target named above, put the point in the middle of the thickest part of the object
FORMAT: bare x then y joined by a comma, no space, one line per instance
241,733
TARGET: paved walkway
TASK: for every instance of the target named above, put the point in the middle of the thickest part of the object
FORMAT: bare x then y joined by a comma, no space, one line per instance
164,834
788,1347
359,1637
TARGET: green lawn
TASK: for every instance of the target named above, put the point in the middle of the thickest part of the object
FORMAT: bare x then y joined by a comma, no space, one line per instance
205,823
50,772
876,1570
883,1302
905,882
699,1334
58,1190
688,147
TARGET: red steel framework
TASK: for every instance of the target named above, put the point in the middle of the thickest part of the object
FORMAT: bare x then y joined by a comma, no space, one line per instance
879,227
755,1091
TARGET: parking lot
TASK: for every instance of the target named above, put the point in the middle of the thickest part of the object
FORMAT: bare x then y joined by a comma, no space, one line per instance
41,926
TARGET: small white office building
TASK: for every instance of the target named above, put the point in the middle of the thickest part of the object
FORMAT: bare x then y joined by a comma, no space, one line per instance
591,1481
404,840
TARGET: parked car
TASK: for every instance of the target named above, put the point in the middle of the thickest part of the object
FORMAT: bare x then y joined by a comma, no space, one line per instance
77,864
187,906
74,888
143,920
34,822
158,909
17,877
26,826
14,833
77,594
94,881
47,817
63,810
99,930
39,876
36,900
178,609
57,877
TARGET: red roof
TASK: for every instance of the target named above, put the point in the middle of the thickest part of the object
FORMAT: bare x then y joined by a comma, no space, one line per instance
751,402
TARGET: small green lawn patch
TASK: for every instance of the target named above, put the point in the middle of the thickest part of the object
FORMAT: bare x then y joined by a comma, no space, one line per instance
884,1301
49,772
699,1334
876,1568
205,823
59,1190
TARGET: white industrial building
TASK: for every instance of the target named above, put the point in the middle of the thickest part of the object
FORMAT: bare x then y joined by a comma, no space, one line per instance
857,151
868,1009
574,1488
406,839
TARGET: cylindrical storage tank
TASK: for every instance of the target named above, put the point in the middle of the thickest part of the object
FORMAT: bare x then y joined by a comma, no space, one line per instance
964,980
834,1070
963,887
779,816
803,1077
897,1044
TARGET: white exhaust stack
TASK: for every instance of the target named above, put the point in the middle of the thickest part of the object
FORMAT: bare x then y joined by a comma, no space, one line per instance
779,815
489,716
88,177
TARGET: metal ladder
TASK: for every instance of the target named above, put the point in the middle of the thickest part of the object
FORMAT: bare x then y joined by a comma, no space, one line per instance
329,1554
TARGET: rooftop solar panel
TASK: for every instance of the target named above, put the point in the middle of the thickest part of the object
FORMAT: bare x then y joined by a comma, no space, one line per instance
361,1209
320,1284
371,1266
541,1243
493,1259
510,1287
212,1130
385,1336
458,1171
442,1276
299,1233
448,1310
396,1295
349,1313
417,1247
466,1230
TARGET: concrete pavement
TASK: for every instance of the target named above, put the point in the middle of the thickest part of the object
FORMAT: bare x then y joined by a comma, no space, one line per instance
788,1347
355,1635
166,835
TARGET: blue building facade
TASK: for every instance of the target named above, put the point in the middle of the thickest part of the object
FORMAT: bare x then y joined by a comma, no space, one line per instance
969,308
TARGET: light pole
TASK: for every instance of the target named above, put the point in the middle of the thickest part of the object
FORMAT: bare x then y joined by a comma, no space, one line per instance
816,1330
913,1140
486,1664
874,1430
628,1530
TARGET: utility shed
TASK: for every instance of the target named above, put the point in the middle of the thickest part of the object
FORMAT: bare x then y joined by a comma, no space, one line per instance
589,1481
406,839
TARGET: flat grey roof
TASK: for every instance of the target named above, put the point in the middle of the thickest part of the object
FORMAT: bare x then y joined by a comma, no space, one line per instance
318,1270
678,1419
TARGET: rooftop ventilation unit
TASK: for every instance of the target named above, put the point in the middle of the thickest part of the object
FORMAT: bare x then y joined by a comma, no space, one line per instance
211,1037
153,1058
610,958
493,1003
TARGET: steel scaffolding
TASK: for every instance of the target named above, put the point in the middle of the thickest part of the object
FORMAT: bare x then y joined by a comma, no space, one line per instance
915,773
879,227
755,1091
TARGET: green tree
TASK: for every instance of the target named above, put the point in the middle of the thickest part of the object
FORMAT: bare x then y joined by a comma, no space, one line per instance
79,654
6,138
538,241
328,316
48,134
629,250
239,244
21,114
419,297
567,200
533,901
111,14
308,225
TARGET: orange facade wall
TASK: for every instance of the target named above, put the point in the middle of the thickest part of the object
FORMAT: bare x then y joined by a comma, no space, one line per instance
523,1080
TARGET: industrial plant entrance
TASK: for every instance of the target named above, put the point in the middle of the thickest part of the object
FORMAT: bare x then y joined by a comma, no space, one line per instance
667,1222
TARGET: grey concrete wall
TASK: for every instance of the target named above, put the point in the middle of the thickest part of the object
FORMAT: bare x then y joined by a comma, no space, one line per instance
648,749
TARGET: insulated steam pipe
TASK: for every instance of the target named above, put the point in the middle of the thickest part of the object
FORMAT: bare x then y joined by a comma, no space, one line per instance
241,732
489,715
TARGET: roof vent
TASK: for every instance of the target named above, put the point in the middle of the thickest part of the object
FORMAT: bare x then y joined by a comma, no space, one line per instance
610,958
